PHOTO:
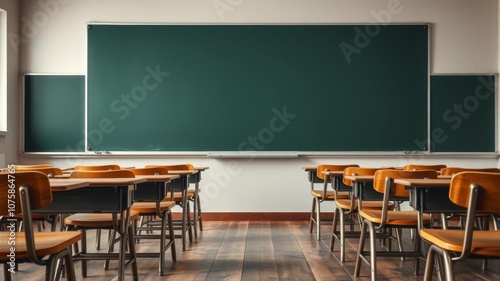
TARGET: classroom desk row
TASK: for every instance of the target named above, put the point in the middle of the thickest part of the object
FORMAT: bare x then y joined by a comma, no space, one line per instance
116,196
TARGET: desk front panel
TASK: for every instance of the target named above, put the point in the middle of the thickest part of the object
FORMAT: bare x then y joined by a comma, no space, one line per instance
150,191
434,200
92,199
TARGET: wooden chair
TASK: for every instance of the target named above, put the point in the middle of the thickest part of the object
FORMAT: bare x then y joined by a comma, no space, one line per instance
482,219
478,192
106,167
350,206
387,219
99,221
321,195
33,192
40,219
181,197
413,167
193,193
148,211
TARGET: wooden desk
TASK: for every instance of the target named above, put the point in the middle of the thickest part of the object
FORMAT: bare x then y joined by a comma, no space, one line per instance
312,176
102,195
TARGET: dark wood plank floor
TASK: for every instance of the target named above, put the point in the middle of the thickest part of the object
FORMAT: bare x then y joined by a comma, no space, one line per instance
243,250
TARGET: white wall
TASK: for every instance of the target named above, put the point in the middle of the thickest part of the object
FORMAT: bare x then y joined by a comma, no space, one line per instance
9,142
464,39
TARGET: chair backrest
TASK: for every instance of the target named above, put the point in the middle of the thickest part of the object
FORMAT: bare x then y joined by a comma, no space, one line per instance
149,171
357,171
331,167
449,171
103,174
40,193
381,176
414,167
488,199
108,167
32,166
49,171
176,167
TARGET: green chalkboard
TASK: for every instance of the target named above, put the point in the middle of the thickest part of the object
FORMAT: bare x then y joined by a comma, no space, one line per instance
54,113
463,110
257,87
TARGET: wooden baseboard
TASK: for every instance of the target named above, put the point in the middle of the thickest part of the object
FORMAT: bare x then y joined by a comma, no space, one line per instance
258,216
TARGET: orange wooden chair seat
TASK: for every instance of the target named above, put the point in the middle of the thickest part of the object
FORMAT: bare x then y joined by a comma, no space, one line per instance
486,243
345,204
330,195
46,243
95,220
150,207
394,218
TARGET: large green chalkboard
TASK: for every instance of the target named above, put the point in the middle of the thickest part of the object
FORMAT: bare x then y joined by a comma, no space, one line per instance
54,113
463,110
257,87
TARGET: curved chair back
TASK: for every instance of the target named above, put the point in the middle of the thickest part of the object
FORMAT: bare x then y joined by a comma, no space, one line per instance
330,167
357,171
149,171
49,171
175,167
414,167
40,193
381,177
108,167
449,171
103,174
488,195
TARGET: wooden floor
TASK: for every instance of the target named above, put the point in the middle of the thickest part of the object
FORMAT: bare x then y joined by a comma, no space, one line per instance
243,250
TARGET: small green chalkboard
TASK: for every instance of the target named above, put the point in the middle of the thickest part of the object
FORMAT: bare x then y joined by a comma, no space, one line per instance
463,110
54,113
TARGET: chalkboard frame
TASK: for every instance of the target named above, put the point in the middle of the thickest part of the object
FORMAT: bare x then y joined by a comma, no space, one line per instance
275,154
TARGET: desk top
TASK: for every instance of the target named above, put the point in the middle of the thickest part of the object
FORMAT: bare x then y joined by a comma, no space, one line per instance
103,181
183,172
67,184
158,178
201,168
360,178
424,182
333,173
310,168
